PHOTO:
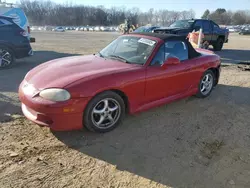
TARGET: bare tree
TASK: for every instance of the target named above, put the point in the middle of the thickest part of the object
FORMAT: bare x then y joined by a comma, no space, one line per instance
47,12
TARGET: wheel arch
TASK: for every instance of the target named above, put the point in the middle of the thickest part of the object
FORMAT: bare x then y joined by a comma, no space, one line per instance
120,93
216,72
222,36
124,98
9,46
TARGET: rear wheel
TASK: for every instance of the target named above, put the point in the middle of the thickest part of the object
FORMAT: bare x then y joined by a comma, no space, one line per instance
7,57
206,84
104,112
219,44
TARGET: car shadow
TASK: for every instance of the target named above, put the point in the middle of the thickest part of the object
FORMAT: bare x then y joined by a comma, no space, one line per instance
8,107
165,144
234,56
11,78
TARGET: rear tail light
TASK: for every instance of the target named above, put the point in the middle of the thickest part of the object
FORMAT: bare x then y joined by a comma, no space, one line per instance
28,29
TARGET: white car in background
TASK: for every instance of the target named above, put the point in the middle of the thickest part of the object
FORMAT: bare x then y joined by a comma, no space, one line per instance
102,28
97,28
59,29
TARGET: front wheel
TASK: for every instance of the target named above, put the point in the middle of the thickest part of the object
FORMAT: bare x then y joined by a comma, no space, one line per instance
206,84
219,44
104,112
7,57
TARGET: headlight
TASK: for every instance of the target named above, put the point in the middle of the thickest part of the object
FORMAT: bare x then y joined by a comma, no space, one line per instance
55,94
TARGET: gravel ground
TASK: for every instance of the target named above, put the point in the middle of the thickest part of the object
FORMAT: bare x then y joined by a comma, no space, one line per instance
189,143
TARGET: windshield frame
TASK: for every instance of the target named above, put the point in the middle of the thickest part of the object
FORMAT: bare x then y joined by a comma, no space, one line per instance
134,35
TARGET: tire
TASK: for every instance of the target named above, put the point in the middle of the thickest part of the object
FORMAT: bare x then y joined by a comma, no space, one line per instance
98,113
219,44
7,57
205,45
208,84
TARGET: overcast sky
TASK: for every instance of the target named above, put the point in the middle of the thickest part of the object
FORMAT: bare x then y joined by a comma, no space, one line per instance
198,6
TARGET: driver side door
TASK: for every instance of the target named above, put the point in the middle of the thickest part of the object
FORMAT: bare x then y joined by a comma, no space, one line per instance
175,79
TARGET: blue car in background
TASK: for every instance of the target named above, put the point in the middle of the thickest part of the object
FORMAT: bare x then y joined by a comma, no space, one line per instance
143,29
19,18
14,42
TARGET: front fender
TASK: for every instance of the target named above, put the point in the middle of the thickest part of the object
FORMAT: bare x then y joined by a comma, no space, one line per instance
131,83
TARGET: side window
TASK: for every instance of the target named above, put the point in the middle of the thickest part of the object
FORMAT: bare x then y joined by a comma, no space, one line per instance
176,49
4,22
215,25
198,23
206,26
159,57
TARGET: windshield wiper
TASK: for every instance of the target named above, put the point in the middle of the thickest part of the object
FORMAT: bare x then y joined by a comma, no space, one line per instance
119,57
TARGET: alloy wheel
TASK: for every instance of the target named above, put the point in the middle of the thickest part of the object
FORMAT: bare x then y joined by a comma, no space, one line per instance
206,84
5,58
106,113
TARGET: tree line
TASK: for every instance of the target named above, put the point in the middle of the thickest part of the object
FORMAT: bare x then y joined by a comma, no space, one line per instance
46,12
224,17
49,13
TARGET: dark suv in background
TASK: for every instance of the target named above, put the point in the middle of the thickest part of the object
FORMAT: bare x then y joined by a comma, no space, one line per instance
214,35
14,42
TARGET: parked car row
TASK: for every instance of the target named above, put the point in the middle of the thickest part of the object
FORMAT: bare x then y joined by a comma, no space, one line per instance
245,30
97,28
241,29
78,28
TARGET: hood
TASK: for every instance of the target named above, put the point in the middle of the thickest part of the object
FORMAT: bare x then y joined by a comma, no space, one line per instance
61,72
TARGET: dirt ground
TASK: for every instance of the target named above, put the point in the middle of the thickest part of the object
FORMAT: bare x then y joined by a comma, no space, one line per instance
186,144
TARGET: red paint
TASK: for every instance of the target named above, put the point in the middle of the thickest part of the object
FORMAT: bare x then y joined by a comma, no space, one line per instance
85,76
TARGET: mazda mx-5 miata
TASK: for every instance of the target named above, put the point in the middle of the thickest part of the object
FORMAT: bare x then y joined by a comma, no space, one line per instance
133,73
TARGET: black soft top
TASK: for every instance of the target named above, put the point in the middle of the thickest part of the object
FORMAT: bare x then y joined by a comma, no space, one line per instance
192,53
165,37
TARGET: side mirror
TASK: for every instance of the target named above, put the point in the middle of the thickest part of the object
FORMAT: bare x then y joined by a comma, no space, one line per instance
171,61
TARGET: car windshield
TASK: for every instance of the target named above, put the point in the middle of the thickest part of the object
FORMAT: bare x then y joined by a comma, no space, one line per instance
142,29
129,49
182,24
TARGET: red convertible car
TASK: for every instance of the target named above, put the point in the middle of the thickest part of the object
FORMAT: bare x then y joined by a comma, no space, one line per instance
133,73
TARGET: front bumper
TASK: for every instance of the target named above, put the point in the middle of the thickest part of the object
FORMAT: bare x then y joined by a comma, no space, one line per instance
58,116
59,121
